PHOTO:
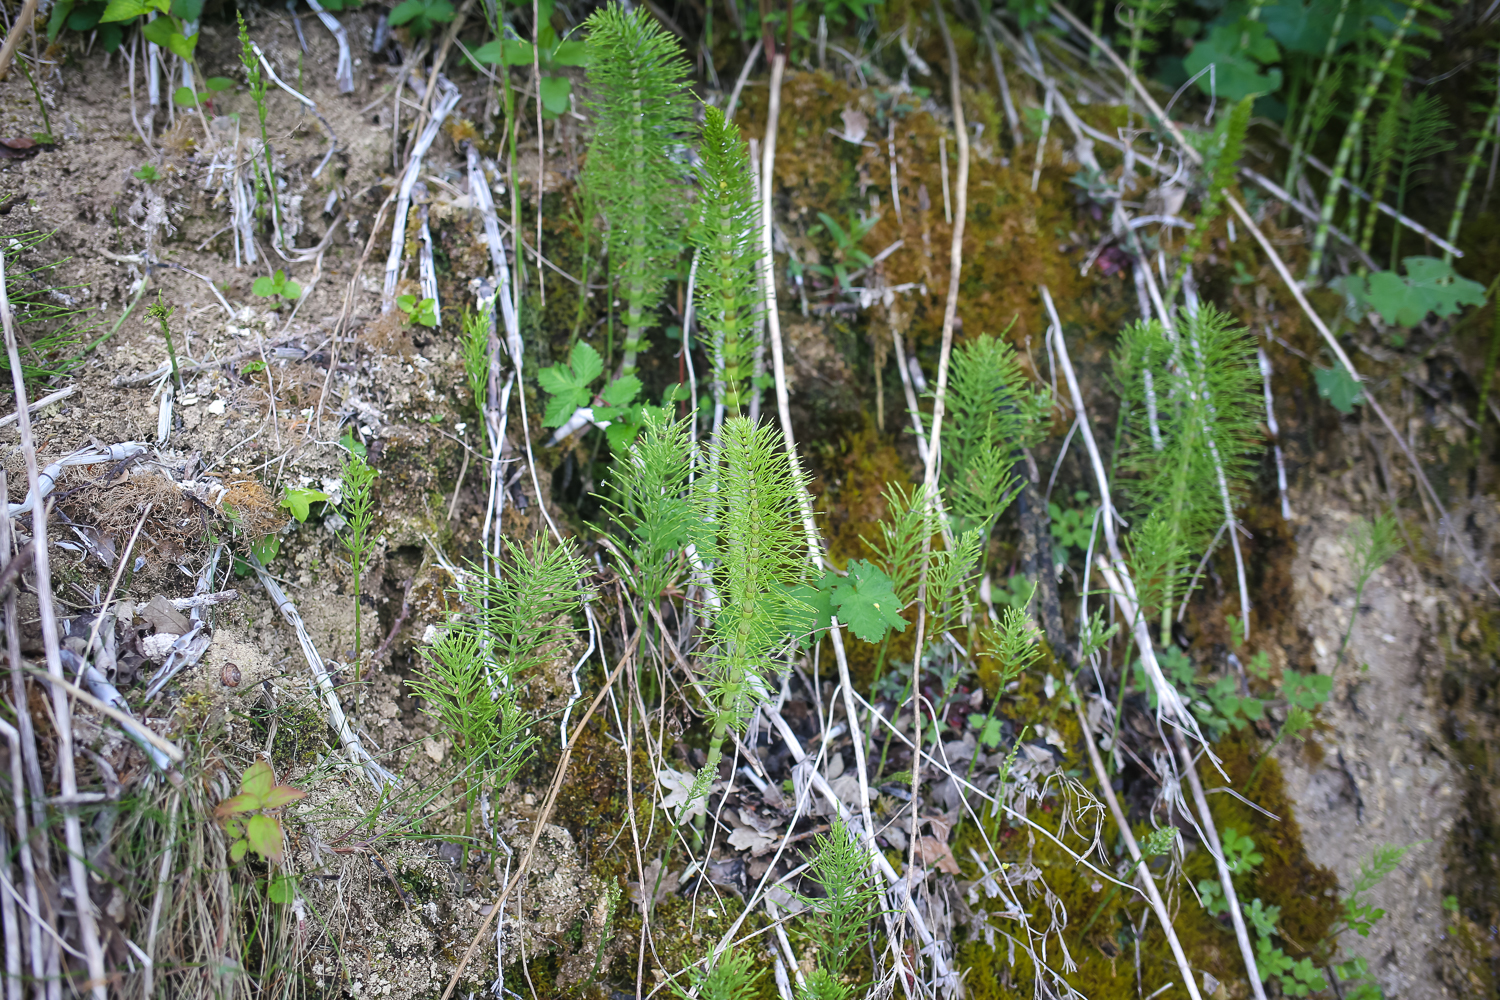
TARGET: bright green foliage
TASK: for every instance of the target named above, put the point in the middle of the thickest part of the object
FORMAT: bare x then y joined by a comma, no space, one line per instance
252,828
1142,20
358,509
423,312
909,524
1357,982
749,530
57,347
1014,646
1212,895
551,53
1262,918
1298,979
729,256
1369,545
733,977
994,414
950,580
421,16
277,284
821,984
1425,120
256,83
837,924
476,348
1240,52
1159,562
641,109
471,676
1196,397
1158,841
1240,855
1230,707
147,173
569,383
1430,286
1338,387
1072,528
846,248
649,508
299,500
1305,691
865,601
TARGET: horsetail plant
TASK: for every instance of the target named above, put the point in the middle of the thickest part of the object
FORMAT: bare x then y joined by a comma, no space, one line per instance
1195,464
1484,137
748,528
1316,108
1422,138
1229,140
1351,134
358,509
637,73
729,256
472,675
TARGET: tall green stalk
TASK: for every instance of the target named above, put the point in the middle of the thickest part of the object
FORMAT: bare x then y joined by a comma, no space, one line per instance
725,233
1471,169
1351,133
1381,157
1316,106
1228,144
1420,141
640,102
359,512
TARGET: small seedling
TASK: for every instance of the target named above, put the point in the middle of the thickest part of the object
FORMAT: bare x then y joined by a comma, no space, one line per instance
1072,528
421,16
161,312
247,817
1370,545
423,312
299,500
359,511
278,284
146,173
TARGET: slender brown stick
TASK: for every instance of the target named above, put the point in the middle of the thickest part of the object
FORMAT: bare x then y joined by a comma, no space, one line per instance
541,820
18,30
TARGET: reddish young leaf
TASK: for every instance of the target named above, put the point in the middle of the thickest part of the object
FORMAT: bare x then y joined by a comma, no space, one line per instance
264,834
282,795
236,804
258,780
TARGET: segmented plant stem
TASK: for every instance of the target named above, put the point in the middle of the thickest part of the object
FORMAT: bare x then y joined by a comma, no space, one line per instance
1310,106
1485,137
1351,133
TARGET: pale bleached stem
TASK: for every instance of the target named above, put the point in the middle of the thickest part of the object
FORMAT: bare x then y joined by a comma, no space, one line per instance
344,75
88,930
424,142
1275,429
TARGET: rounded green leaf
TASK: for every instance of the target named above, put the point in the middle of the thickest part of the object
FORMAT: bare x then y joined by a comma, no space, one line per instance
182,46
264,835
157,31
124,10
257,781
404,11
555,91
292,290
237,804
263,287
218,83
238,849
184,97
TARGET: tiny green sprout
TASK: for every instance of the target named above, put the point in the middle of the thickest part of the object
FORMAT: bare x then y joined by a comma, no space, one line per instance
1450,903
1240,854
299,500
251,367
147,173
246,817
423,312
1236,630
277,284
161,312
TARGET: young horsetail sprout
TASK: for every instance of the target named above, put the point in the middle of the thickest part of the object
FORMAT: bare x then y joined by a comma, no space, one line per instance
1485,136
725,233
359,512
1422,138
748,528
1369,545
1351,135
1194,465
161,312
637,73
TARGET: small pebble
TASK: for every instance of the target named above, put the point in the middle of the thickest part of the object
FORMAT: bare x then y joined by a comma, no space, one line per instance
230,675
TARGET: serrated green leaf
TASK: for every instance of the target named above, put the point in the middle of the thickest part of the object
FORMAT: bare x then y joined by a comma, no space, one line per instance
561,406
257,781
808,609
182,46
282,795
282,889
622,391
238,850
866,601
1338,387
1237,51
236,804
586,363
264,835
158,31
619,435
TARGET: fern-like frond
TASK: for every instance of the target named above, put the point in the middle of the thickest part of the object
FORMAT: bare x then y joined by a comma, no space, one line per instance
725,233
648,504
637,79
